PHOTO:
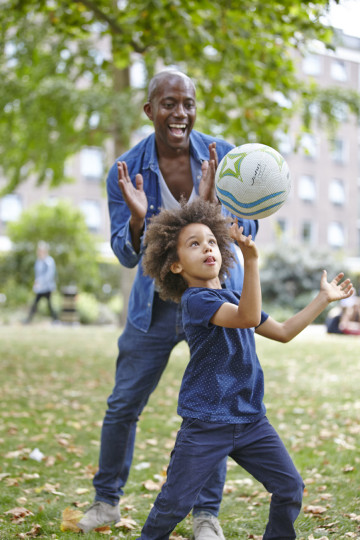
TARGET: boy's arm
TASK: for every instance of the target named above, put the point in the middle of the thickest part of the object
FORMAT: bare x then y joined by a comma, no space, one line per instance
329,292
247,313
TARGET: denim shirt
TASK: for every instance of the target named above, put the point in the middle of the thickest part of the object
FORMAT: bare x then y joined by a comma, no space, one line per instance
142,158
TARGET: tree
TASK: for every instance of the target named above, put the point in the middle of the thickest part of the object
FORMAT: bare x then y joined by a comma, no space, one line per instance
72,246
65,71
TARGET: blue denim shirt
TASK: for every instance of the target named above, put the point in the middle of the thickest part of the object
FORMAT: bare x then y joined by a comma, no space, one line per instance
142,158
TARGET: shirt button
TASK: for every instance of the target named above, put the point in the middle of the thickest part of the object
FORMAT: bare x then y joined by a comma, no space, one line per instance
151,207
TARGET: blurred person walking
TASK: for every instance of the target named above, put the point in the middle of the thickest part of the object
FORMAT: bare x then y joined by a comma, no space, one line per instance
45,280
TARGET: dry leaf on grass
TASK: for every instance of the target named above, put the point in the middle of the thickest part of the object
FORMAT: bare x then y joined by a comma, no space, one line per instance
103,530
19,513
33,533
126,523
312,509
150,485
70,518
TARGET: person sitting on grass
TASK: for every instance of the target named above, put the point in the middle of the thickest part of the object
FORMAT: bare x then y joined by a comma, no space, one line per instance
221,395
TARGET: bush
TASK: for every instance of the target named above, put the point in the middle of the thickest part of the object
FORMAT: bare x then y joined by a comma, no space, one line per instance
87,308
290,277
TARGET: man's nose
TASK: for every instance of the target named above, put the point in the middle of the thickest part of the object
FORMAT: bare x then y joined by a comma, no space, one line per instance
180,110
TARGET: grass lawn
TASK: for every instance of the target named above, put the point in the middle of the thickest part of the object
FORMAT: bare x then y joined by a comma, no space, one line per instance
54,385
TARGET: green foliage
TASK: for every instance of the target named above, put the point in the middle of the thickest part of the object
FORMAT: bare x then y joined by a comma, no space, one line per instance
290,277
73,248
61,91
87,308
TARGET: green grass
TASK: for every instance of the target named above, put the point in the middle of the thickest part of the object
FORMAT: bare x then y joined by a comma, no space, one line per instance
54,385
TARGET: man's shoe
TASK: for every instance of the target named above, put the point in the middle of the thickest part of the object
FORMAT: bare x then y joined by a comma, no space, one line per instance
207,527
98,515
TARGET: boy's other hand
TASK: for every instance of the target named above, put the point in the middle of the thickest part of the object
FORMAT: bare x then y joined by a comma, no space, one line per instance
337,289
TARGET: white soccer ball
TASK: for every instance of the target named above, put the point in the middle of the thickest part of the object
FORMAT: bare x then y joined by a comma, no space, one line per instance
252,181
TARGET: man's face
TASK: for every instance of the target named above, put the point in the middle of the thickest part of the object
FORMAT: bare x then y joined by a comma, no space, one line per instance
172,110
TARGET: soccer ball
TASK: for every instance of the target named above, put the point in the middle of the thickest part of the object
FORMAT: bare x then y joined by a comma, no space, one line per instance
252,181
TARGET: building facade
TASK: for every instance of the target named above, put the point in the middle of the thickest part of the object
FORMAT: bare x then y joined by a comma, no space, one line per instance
323,208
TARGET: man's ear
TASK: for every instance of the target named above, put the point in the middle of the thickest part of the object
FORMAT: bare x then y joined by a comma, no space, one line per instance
148,110
176,268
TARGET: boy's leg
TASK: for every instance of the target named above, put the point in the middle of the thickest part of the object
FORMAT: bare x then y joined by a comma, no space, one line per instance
260,451
200,447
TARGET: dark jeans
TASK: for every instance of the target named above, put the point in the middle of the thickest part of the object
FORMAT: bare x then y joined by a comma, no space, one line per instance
200,447
141,361
38,297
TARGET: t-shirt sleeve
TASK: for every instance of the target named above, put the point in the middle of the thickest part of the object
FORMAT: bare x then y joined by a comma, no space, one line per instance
264,317
201,305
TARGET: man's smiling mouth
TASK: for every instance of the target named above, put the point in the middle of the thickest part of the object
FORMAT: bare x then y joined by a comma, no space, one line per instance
177,129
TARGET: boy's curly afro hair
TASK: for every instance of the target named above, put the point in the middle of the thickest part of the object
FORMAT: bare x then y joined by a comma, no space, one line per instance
161,242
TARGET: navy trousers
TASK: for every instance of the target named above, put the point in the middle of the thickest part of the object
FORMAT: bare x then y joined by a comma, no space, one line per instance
199,449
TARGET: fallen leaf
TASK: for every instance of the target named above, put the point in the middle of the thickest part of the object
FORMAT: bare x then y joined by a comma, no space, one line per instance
70,518
81,491
310,509
103,530
33,533
150,485
126,523
19,512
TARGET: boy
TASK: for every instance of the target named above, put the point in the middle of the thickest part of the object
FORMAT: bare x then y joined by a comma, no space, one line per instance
221,395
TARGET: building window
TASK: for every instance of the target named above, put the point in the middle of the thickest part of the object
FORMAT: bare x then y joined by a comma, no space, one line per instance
307,232
337,192
336,235
309,145
10,207
92,214
284,143
338,151
312,65
307,189
338,70
91,163
282,229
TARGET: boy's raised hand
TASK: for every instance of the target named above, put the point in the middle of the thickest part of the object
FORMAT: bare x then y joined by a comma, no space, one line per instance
336,289
245,243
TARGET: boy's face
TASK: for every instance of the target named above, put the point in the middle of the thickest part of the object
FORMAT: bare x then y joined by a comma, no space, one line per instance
199,257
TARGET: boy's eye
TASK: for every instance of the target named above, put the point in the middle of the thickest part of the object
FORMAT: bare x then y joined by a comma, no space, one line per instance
194,243
212,241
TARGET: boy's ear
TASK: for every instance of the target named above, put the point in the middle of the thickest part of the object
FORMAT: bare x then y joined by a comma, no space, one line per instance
176,268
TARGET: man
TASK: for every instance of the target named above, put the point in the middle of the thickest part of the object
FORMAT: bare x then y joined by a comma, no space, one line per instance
173,162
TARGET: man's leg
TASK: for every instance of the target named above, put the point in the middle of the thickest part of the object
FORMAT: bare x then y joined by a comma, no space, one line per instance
260,451
141,361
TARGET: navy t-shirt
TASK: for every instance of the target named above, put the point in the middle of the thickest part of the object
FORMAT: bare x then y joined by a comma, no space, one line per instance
223,381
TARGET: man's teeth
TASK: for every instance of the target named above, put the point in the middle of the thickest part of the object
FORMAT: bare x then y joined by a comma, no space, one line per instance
178,126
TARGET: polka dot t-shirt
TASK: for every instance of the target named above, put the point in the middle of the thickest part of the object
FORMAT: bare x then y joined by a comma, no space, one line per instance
223,381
